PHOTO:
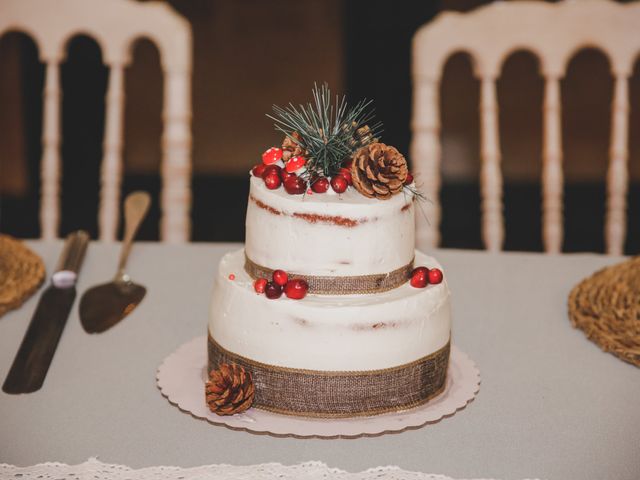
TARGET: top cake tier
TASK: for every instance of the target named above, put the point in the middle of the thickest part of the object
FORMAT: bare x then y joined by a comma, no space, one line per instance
329,234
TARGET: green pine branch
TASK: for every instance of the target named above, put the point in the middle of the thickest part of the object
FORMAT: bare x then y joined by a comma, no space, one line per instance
328,129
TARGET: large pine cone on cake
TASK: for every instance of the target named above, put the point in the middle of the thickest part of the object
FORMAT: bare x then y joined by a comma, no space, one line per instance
291,147
229,390
379,171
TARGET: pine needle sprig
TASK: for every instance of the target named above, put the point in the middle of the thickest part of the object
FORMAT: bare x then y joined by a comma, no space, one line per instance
328,129
415,192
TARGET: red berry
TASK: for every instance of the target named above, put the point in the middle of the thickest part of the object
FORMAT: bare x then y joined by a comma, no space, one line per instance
347,164
295,163
273,290
296,289
419,277
259,285
320,185
409,179
258,170
271,169
272,181
272,155
280,277
232,276
435,276
284,174
346,173
295,185
339,184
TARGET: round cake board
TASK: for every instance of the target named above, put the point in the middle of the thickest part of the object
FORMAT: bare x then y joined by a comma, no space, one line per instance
182,375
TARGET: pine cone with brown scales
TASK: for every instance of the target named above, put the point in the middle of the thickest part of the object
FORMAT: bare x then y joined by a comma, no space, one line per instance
229,390
379,171
291,147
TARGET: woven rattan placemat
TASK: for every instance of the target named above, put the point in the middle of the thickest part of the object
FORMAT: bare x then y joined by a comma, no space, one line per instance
21,273
606,306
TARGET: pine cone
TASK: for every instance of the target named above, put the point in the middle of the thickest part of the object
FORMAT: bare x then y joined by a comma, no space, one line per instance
229,390
379,171
291,147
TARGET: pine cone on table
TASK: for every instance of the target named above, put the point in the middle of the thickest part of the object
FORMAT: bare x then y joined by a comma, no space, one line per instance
229,390
379,171
291,147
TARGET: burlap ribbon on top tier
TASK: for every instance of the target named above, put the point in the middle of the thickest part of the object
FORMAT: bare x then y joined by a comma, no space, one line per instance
339,394
345,285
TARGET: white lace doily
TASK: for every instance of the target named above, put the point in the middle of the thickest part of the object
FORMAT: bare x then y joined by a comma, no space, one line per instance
182,375
95,470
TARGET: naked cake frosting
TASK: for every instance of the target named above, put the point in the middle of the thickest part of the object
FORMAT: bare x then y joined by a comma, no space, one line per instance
328,310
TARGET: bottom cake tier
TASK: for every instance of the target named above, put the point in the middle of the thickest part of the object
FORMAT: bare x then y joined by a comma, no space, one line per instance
332,356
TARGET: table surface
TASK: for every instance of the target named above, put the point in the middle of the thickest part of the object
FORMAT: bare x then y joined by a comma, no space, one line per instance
551,404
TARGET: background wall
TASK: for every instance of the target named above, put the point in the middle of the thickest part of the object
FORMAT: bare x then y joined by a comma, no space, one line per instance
251,54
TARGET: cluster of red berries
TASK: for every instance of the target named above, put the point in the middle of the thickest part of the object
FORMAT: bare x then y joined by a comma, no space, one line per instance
275,175
341,180
423,276
295,288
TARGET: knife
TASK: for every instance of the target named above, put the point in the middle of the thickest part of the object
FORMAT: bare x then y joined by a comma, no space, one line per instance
34,356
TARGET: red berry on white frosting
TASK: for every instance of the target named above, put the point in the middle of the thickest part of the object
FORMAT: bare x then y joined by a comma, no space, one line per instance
294,185
258,170
271,169
272,181
260,284
296,289
280,277
419,277
346,173
284,175
273,290
320,185
435,276
339,184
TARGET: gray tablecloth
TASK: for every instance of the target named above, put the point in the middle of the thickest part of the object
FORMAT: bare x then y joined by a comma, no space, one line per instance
551,404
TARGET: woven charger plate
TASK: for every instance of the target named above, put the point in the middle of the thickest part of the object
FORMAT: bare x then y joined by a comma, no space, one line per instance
606,306
21,273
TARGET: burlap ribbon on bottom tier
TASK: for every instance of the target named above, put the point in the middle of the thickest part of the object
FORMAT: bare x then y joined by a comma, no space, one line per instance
344,285
336,394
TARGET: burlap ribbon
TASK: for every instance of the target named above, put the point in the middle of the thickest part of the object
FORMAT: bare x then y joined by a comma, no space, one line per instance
345,285
331,394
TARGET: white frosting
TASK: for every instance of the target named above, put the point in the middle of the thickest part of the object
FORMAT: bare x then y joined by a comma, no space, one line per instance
335,333
322,234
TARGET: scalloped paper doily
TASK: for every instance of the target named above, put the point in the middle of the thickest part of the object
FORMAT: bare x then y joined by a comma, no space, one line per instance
97,470
182,375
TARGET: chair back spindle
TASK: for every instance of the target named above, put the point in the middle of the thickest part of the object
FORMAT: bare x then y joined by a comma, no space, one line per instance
553,32
115,25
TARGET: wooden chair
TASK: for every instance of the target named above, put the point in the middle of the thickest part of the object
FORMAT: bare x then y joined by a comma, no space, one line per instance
554,32
115,25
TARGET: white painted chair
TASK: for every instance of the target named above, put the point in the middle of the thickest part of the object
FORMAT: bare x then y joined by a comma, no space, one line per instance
115,25
554,33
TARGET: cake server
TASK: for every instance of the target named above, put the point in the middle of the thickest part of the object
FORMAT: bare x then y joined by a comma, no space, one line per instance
34,356
103,306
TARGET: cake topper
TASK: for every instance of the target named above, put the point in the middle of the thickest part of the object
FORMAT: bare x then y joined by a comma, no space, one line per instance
329,145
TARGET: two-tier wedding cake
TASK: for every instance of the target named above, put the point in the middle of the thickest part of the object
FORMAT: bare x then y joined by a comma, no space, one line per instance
328,311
